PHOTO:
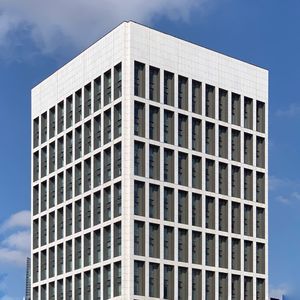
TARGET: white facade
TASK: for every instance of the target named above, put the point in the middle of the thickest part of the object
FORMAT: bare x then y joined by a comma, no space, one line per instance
127,44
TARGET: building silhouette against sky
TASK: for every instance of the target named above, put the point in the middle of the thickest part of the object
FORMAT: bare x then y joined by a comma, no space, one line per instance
149,173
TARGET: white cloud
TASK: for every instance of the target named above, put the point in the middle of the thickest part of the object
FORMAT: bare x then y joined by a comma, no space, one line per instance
19,240
18,220
15,243
292,110
12,257
79,22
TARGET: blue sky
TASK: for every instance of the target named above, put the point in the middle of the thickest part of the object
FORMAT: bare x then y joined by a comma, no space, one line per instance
36,39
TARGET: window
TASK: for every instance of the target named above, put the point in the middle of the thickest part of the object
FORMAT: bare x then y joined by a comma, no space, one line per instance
210,213
196,210
87,137
236,218
118,120
223,142
139,238
36,132
97,93
87,100
196,97
117,199
183,102
97,132
118,81
107,282
248,184
154,280
117,279
139,198
196,172
210,249
223,215
248,256
154,162
107,126
183,207
44,128
168,127
182,168
169,243
182,283
260,116
168,282
210,138
223,178
117,160
168,204
196,247
139,278
236,109
260,187
117,239
154,201
139,118
107,204
52,122
236,181
223,105
260,152
236,254
210,101
154,240
139,158
107,243
260,222
154,84
183,131
223,252
236,145
78,143
196,135
107,87
169,165
154,123
139,79
248,220
97,170
210,175
60,117
169,88
248,148
107,165
248,113
78,106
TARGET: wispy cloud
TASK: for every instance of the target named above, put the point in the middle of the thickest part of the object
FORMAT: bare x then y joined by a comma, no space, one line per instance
53,23
20,219
15,239
292,110
285,190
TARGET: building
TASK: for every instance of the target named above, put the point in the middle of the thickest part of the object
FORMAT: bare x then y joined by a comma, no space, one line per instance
28,280
149,173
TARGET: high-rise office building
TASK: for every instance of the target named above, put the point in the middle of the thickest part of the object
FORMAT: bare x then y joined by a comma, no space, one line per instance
150,173
28,280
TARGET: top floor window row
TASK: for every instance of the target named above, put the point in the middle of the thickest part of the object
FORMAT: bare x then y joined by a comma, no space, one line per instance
78,106
198,97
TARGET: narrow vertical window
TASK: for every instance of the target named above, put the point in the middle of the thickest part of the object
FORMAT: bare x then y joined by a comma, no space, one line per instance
154,84
169,88
118,81
139,79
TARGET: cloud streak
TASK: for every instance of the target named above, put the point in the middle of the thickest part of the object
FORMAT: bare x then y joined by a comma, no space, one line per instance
293,110
20,219
56,23
15,239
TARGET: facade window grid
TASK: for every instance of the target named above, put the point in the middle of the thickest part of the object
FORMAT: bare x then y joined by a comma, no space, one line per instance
60,126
